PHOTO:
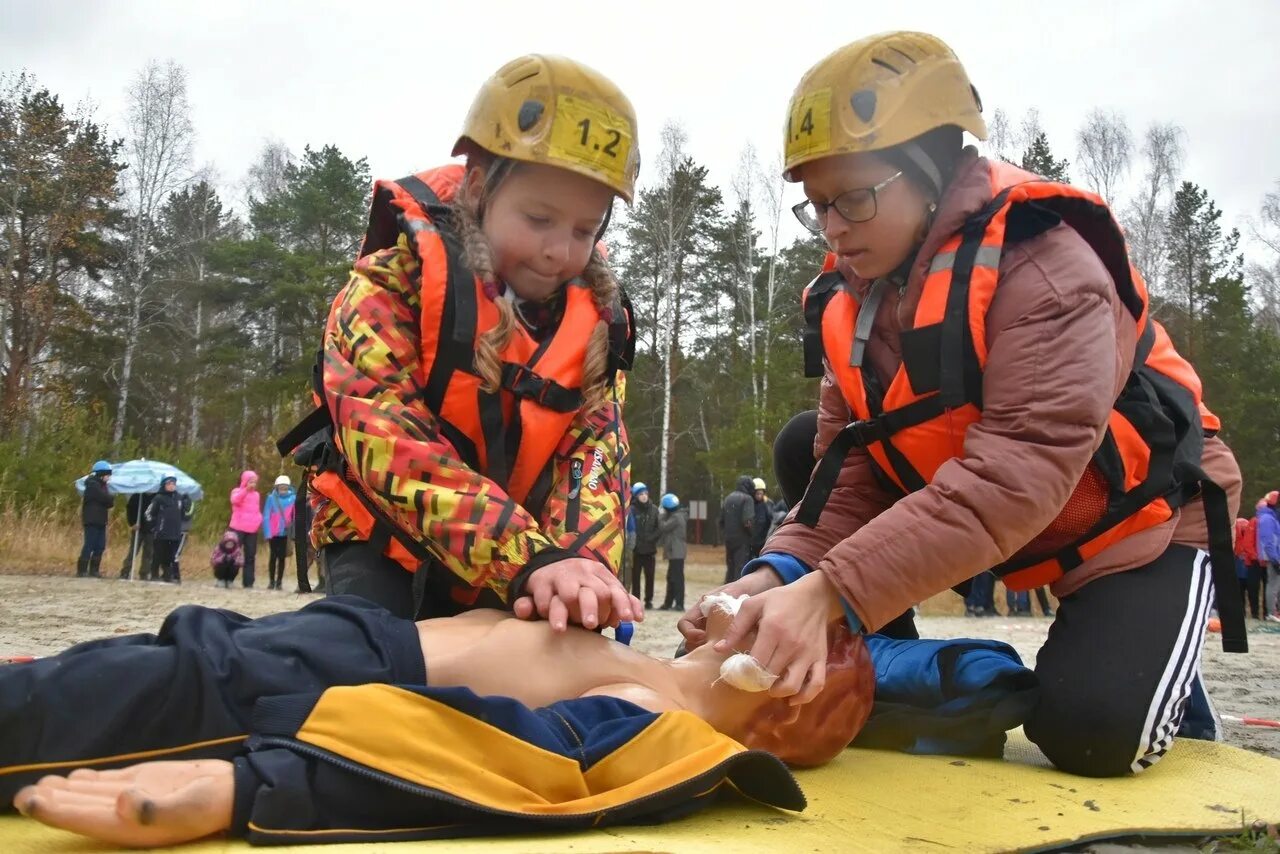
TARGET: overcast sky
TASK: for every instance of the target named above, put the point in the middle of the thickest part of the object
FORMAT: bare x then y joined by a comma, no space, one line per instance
392,81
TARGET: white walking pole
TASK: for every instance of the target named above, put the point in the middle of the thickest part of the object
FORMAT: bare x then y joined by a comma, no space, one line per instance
133,559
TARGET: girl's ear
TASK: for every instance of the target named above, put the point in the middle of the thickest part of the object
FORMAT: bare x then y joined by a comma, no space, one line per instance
473,185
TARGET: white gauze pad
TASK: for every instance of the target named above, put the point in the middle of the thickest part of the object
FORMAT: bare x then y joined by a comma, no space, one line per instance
739,670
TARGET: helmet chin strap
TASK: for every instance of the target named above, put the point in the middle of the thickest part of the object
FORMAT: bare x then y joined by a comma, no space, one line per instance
924,163
898,277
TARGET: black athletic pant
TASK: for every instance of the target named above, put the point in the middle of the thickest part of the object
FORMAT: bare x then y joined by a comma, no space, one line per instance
357,569
736,556
674,596
793,463
279,551
249,545
162,559
188,692
646,564
1253,585
1119,664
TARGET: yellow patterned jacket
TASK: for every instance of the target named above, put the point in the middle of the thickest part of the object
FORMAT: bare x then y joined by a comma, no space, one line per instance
435,471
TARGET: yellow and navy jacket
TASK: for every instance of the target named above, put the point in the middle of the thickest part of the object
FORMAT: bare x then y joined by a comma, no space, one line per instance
444,762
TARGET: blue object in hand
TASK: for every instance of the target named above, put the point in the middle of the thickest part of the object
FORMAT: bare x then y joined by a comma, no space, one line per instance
622,634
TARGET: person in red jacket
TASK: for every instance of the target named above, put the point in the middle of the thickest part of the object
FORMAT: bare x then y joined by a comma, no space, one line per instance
1249,569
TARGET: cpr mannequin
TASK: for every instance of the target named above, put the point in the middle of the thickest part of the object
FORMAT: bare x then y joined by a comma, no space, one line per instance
491,653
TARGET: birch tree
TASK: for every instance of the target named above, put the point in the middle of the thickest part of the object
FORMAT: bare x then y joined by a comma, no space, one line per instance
1103,148
1146,214
158,146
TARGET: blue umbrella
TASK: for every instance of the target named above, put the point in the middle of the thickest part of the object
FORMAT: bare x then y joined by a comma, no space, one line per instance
145,475
142,476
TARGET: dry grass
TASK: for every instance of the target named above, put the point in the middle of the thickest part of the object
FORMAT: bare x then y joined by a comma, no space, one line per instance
35,541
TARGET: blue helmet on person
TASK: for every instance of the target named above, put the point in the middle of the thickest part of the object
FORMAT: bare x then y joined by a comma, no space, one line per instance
670,501
102,467
639,488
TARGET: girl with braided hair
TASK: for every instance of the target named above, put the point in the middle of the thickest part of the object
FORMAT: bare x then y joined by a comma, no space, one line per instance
472,380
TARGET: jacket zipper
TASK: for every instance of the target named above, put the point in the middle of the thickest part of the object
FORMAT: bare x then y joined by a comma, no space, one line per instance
575,496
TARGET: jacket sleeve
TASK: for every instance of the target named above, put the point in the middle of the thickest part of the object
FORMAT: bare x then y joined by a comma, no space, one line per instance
374,384
104,497
749,514
1054,368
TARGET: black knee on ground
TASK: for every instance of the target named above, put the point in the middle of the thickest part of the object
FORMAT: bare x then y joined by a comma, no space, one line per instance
1083,735
793,455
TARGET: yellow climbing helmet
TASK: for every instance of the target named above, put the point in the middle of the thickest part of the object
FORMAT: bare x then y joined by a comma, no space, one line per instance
876,93
552,110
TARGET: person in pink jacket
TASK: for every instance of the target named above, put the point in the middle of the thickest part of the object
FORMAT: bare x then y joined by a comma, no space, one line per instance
246,519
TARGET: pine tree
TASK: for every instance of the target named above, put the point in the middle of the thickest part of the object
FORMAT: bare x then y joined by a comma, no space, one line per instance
58,177
1039,159
1199,254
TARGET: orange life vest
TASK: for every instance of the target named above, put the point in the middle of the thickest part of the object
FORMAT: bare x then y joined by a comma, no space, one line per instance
509,435
1149,461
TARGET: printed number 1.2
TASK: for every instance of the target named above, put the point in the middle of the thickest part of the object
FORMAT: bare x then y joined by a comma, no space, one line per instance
611,148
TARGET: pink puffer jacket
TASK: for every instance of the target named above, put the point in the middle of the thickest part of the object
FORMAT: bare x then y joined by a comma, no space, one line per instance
246,505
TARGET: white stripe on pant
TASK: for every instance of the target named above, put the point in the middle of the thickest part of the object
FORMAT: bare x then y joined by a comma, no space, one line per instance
1182,669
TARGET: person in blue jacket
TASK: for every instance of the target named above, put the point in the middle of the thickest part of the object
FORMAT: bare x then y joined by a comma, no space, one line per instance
1269,553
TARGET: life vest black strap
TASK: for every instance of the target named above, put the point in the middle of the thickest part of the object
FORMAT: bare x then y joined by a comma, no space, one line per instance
957,340
524,383
426,197
860,434
494,429
820,292
313,422
622,336
1217,514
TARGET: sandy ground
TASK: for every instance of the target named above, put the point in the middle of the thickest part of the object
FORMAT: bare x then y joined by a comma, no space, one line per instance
42,614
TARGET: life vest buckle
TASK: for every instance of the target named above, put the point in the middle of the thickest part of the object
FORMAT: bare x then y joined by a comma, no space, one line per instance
524,383
866,432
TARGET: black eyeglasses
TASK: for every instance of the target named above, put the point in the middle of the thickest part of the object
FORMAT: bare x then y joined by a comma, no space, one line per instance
856,205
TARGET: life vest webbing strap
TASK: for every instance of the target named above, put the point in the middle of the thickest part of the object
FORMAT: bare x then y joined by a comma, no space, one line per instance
622,339
866,320
493,427
860,434
1160,436
524,383
458,317
815,301
873,390
313,422
1217,514
426,197
957,343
